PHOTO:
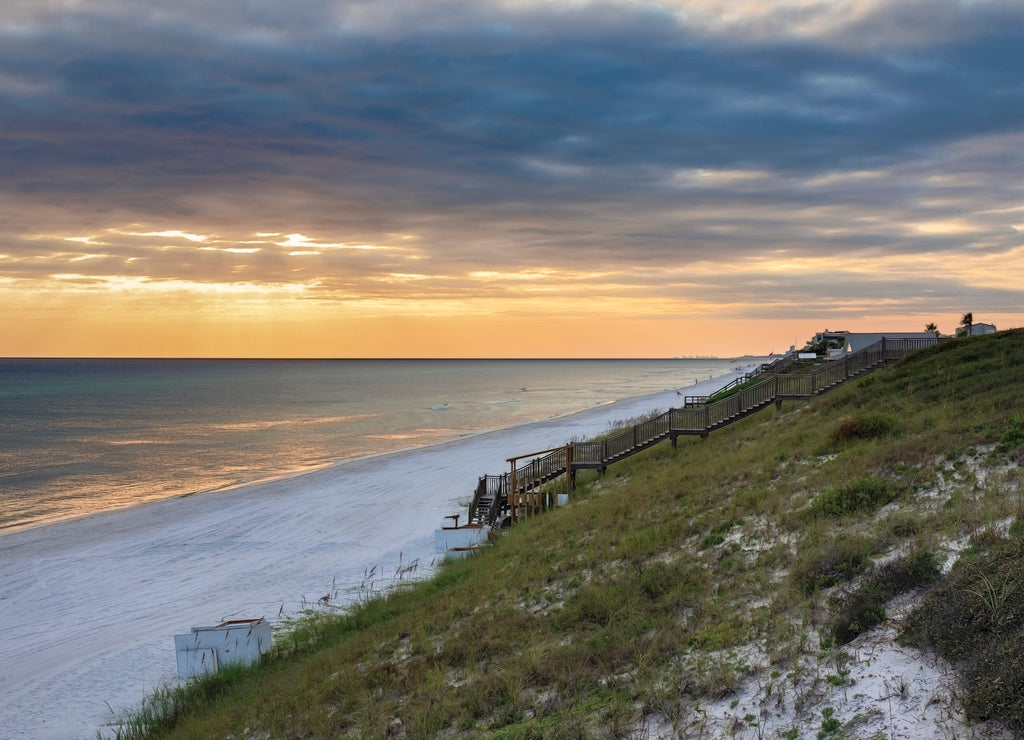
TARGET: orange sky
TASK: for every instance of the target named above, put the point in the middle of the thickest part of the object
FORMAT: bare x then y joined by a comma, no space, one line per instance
171,318
504,178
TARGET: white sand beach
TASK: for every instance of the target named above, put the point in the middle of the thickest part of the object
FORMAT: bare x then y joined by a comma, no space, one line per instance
89,607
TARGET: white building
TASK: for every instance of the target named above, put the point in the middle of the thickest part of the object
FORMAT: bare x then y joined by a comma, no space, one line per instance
976,329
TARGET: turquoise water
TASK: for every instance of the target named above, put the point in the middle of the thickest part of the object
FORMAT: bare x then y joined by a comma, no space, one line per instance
81,436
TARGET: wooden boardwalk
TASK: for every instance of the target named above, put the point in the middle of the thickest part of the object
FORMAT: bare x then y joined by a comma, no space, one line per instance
540,483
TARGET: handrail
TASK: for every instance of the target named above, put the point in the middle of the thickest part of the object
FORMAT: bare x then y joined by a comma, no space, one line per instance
783,361
490,501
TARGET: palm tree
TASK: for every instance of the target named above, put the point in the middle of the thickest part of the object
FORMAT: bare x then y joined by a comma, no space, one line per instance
967,321
932,328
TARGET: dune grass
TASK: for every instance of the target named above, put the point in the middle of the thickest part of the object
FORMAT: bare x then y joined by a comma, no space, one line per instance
680,575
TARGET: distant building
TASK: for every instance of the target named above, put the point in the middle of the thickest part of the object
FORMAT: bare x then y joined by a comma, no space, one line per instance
827,343
827,336
976,329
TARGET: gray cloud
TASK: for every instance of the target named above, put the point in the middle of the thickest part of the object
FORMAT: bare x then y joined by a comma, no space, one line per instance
602,135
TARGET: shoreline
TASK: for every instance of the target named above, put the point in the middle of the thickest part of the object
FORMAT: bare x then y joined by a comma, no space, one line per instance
103,594
11,530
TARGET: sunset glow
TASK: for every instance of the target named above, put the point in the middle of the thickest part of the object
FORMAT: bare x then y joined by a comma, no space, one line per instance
616,179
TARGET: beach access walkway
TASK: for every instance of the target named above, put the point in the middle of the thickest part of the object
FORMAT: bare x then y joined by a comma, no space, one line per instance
539,480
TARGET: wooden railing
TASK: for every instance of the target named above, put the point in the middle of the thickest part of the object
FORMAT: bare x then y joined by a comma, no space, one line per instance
774,367
498,496
535,486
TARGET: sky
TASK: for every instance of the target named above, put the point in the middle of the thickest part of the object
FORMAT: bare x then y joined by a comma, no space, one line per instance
504,178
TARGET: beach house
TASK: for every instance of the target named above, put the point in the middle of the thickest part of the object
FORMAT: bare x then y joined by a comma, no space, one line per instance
976,329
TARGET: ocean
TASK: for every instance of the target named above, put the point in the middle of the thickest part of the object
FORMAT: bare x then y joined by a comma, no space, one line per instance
90,435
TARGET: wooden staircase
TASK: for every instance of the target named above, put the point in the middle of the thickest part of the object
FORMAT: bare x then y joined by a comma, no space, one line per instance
498,497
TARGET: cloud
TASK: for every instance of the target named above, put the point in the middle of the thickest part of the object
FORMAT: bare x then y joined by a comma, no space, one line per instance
448,140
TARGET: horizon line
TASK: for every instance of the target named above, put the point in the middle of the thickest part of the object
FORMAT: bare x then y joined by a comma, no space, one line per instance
327,358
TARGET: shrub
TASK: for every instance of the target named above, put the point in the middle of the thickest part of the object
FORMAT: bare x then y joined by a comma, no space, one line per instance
826,563
1011,439
861,609
996,680
725,526
972,619
864,426
658,579
859,495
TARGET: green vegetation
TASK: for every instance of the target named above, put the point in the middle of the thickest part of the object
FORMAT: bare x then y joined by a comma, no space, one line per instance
859,610
732,391
973,620
1013,440
864,426
743,559
864,494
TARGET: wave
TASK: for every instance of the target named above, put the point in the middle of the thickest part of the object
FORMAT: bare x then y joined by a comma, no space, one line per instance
242,426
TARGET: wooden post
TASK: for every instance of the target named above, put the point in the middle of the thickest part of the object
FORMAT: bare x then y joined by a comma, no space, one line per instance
512,494
570,474
534,502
